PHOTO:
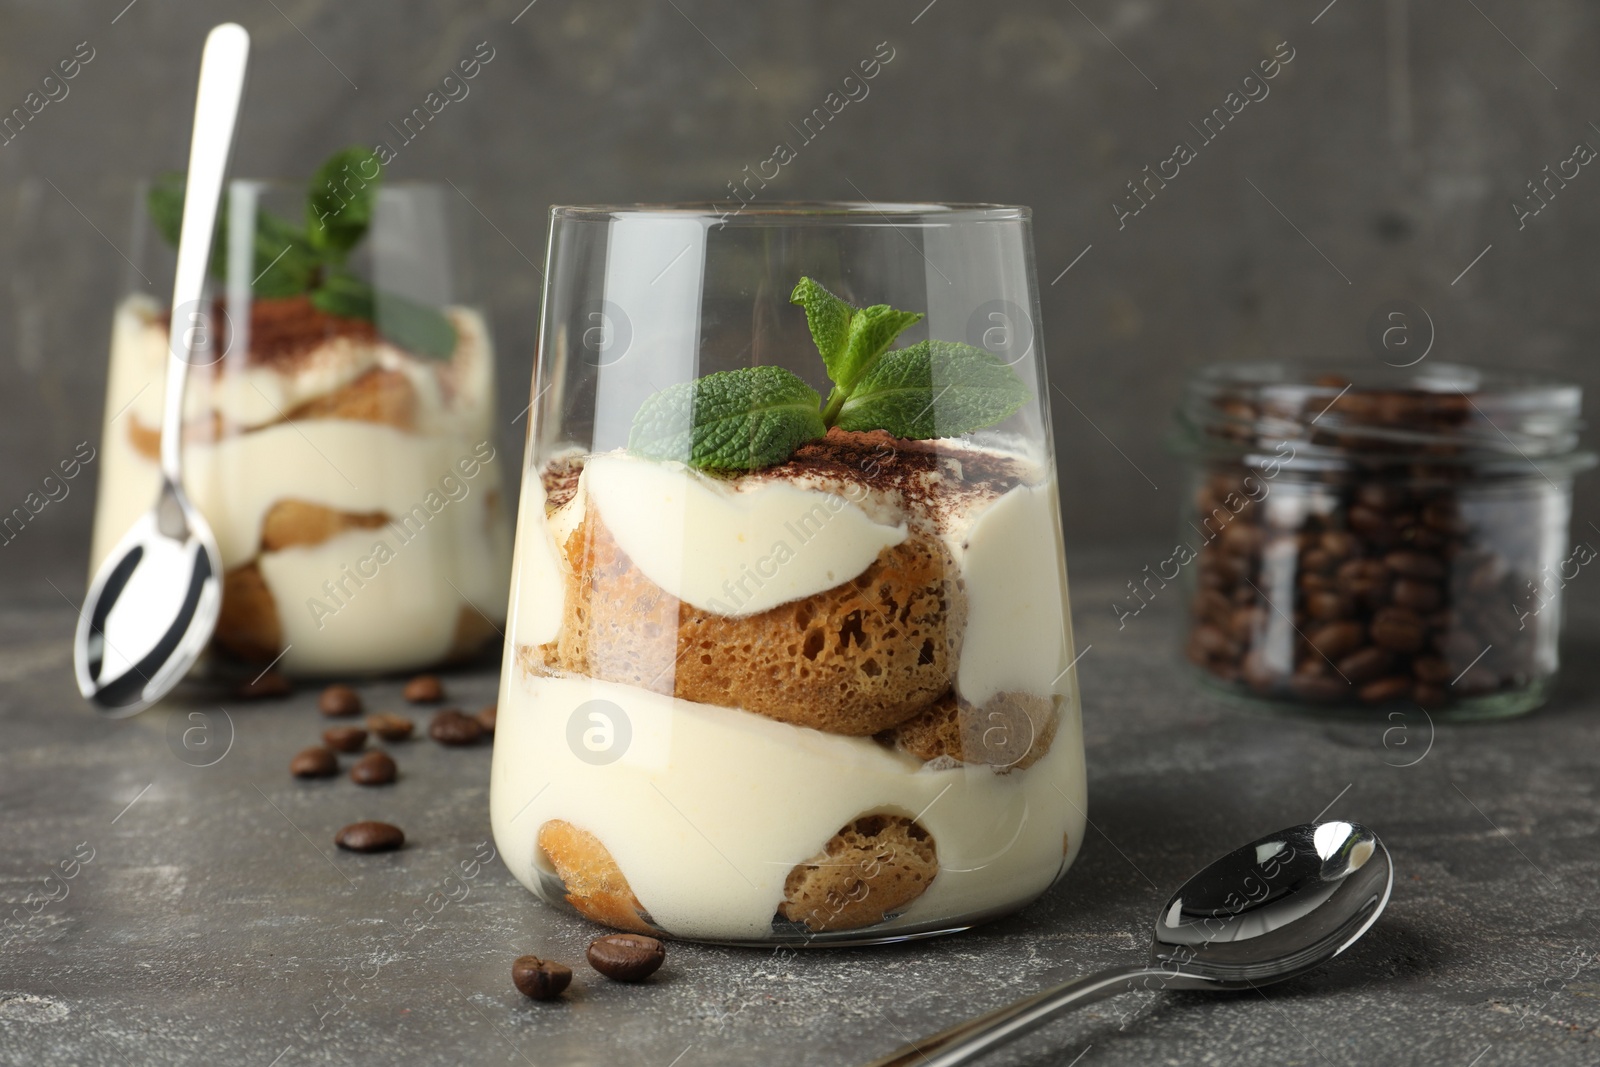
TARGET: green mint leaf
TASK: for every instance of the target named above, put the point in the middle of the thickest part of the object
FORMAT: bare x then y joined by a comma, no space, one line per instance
850,339
741,419
339,206
933,389
418,328
346,296
829,319
165,204
285,263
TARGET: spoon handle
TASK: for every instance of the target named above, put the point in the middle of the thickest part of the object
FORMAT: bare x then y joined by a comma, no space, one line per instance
222,68
966,1041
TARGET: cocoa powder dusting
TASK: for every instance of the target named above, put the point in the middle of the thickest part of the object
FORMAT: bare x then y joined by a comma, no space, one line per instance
283,329
927,475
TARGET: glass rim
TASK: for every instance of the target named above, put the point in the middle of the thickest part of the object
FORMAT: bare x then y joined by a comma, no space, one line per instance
799,211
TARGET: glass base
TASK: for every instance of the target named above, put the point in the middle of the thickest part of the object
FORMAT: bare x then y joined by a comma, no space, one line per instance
1505,704
786,934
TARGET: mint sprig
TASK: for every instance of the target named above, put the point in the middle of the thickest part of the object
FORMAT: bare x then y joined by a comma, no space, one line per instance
291,260
756,417
741,419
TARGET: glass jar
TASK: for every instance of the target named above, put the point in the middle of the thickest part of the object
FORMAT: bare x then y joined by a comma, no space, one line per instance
1373,537
342,450
783,668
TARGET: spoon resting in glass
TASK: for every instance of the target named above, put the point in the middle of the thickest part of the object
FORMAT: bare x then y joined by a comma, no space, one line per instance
153,604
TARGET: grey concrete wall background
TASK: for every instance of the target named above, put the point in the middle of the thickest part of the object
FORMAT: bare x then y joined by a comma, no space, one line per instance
1382,165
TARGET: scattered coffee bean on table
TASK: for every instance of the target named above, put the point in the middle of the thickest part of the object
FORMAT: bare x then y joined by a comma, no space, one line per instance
627,957
268,686
425,689
486,718
375,768
370,837
345,738
540,979
317,762
390,727
452,726
339,701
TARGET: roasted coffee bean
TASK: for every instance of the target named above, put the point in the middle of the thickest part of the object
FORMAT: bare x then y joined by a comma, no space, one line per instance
1323,688
1415,565
1338,639
1431,669
1416,595
338,701
486,718
540,979
1429,696
1327,606
1371,524
1317,561
1365,665
269,685
1339,545
390,727
452,726
1213,642
1398,630
1477,680
370,837
315,762
627,957
375,768
345,738
425,689
1245,622
1382,691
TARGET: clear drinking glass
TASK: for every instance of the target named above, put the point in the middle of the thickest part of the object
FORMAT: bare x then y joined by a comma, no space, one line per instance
770,681
345,458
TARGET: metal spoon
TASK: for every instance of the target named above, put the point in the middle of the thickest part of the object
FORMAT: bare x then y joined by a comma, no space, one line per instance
153,603
1271,910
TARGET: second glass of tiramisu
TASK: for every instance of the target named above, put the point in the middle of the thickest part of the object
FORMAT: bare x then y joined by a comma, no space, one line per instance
789,656
339,422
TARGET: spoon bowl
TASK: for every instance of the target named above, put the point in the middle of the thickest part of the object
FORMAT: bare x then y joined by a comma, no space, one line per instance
151,608
1276,907
1266,911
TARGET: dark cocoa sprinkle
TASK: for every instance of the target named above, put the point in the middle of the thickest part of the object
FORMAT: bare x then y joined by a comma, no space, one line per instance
317,762
486,718
338,701
627,957
390,727
370,837
452,726
560,478
284,330
345,738
268,686
540,979
872,459
375,768
425,689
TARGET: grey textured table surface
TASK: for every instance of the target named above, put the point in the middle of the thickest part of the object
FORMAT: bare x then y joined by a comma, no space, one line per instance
215,923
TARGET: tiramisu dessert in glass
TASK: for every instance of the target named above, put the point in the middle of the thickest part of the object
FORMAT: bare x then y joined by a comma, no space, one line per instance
339,435
789,654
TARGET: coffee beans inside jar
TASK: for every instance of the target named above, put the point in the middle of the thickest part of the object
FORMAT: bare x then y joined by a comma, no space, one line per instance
1371,539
